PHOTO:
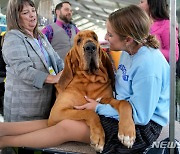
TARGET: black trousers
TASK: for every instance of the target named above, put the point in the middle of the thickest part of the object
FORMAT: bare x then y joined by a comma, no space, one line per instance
145,136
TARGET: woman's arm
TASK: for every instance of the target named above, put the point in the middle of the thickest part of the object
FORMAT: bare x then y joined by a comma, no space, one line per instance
165,41
102,109
20,63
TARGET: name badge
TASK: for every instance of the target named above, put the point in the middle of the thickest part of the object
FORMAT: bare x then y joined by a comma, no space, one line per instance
51,71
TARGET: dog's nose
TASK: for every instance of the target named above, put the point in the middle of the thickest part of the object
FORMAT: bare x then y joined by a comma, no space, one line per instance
90,47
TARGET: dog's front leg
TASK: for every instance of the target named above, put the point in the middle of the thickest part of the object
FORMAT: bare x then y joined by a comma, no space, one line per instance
127,132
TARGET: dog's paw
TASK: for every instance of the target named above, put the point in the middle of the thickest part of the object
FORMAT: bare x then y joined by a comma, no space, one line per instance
97,142
98,148
126,140
127,132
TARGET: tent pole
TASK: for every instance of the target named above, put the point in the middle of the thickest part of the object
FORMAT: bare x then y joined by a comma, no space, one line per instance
172,71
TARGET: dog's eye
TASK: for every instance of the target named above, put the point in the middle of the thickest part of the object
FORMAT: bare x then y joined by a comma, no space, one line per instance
95,38
78,41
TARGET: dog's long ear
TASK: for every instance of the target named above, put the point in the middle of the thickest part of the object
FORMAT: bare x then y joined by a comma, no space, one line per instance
107,63
67,74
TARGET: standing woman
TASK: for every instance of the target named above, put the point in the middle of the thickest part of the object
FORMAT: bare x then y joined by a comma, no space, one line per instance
160,24
32,66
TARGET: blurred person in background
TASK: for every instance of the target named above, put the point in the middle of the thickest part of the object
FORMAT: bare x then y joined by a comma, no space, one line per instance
160,24
61,33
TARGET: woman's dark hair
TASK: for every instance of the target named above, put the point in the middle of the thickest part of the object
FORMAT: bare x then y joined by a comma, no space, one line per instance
158,9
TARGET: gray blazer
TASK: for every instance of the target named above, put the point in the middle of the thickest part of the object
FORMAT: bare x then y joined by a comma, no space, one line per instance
26,96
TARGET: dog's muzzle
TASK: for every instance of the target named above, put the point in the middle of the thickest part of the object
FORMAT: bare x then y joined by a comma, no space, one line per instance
91,55
90,47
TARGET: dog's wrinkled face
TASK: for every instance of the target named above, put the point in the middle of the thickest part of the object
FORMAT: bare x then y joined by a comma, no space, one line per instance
87,47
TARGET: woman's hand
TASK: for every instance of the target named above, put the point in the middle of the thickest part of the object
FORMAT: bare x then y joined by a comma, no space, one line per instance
53,78
58,77
90,105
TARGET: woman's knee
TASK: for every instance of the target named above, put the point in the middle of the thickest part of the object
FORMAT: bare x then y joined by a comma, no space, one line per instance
73,125
78,130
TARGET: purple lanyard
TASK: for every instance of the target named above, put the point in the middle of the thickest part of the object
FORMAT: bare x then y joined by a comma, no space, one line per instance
42,50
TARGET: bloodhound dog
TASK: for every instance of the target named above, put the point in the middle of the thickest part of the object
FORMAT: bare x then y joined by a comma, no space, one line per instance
88,72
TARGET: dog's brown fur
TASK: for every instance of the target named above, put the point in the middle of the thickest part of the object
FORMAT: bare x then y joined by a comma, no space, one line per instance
89,74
